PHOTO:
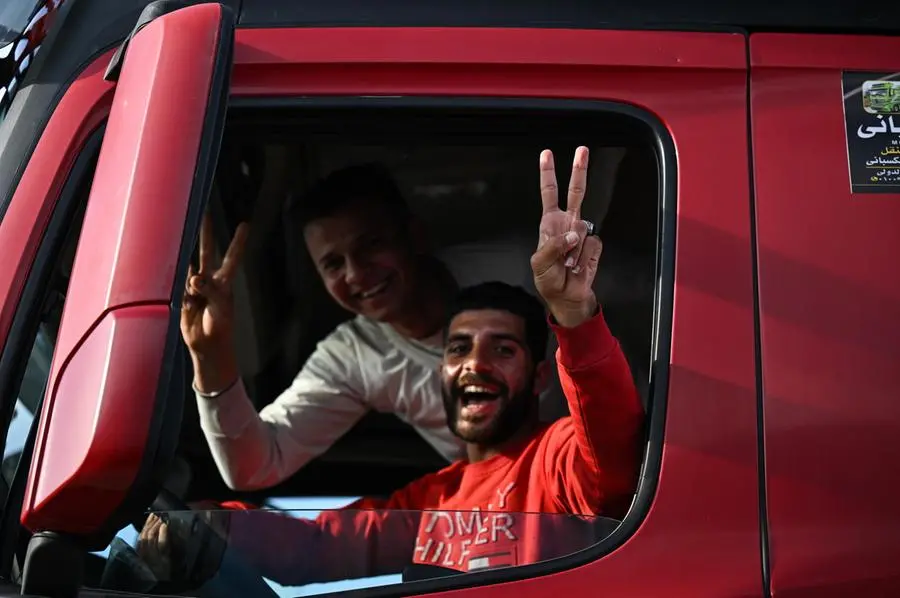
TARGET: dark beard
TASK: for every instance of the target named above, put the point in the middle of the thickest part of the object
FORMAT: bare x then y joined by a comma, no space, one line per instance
515,411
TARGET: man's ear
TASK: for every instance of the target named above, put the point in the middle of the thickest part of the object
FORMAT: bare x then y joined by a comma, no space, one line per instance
542,373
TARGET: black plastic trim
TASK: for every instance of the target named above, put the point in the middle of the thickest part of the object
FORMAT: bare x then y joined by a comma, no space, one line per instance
151,12
165,424
9,174
15,538
765,562
14,358
54,566
663,309
685,15
25,121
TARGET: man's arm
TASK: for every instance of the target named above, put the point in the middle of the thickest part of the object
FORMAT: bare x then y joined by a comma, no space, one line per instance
592,458
258,450
367,538
594,462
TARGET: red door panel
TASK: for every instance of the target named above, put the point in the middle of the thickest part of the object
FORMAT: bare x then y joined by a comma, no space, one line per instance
829,295
101,414
701,535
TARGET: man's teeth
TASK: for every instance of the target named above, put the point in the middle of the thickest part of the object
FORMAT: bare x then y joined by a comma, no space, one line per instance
482,390
475,393
374,290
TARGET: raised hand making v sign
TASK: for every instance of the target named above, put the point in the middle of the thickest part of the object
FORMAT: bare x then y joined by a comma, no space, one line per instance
566,259
207,314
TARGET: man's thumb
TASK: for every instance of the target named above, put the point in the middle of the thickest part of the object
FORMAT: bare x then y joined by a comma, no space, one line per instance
553,251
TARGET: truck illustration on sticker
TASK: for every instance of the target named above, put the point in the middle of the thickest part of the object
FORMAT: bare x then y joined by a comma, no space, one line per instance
881,97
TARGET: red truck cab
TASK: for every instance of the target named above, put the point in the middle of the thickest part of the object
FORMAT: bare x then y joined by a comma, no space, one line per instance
749,201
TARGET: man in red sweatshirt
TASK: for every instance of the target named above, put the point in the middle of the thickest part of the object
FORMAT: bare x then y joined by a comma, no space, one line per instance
497,506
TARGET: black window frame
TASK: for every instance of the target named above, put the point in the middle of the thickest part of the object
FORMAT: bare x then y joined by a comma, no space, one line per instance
661,324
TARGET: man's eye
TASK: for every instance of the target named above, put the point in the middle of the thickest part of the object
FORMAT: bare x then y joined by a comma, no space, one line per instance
457,349
331,265
506,350
371,243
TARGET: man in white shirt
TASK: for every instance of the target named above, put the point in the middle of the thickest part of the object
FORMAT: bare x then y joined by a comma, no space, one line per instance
370,253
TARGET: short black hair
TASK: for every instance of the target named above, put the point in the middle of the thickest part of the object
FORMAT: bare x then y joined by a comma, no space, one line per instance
369,181
505,297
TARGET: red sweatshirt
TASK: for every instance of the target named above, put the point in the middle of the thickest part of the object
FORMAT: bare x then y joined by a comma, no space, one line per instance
486,514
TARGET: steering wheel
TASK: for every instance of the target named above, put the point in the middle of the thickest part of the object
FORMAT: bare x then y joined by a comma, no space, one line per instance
202,552
209,570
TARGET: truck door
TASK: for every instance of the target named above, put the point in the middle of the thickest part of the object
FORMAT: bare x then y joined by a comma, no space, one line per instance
109,421
694,526
826,152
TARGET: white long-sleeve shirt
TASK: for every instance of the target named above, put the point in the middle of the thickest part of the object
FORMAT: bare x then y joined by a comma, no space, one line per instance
362,365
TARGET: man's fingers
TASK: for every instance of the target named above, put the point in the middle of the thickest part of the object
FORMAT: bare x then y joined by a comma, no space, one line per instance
580,228
188,304
549,189
187,281
588,263
147,538
205,293
163,539
235,253
577,182
147,529
552,252
198,286
207,245
187,298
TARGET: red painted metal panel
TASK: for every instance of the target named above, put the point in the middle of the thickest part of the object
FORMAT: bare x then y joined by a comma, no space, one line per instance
487,46
829,293
136,212
120,357
465,62
79,113
701,537
834,52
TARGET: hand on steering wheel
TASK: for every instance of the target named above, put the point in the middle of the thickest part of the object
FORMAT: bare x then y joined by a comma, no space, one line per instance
178,549
154,548
190,545
181,543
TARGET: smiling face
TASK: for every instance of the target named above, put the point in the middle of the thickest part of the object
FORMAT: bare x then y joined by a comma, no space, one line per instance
488,376
365,258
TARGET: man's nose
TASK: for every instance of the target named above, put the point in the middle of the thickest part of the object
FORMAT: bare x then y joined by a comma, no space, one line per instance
478,360
353,271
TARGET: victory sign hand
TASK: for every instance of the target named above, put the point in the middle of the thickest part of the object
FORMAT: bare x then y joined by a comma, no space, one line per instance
566,260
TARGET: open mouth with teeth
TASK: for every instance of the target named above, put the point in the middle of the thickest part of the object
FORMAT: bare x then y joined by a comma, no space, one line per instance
374,291
478,401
